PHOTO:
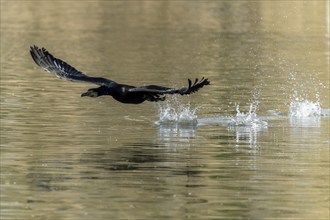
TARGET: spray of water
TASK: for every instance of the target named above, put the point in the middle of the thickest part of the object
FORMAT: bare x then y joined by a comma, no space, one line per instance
300,105
248,119
247,125
174,112
304,109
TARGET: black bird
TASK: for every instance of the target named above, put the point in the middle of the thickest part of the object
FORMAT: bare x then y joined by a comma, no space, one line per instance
120,92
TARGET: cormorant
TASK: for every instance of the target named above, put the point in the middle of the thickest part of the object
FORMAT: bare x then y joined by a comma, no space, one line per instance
120,92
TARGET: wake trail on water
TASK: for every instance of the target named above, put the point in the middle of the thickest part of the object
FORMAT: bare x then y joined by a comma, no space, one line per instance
174,113
303,110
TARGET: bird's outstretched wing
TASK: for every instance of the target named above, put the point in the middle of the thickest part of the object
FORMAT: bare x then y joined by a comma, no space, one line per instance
160,90
61,69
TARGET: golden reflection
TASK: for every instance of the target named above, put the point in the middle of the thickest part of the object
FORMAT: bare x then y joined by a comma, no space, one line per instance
65,157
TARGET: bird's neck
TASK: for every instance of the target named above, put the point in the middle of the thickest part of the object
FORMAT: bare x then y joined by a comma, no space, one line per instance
104,90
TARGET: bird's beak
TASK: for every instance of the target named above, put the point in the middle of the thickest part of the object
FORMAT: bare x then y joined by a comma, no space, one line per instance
84,94
90,94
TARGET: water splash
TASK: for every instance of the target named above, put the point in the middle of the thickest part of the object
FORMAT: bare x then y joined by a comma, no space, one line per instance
173,112
247,125
248,119
300,105
307,88
304,109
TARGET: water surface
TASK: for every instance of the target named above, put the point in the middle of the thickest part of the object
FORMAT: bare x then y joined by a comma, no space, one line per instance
252,145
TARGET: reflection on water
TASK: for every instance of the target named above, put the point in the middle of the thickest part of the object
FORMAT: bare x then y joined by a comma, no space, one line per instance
183,131
247,134
305,122
196,157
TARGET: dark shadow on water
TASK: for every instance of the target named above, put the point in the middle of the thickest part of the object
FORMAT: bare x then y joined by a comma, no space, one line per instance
126,158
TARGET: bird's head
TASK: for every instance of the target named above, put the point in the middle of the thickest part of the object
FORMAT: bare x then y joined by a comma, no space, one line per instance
91,93
95,92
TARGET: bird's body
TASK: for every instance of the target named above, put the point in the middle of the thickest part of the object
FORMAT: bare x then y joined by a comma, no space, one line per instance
120,92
